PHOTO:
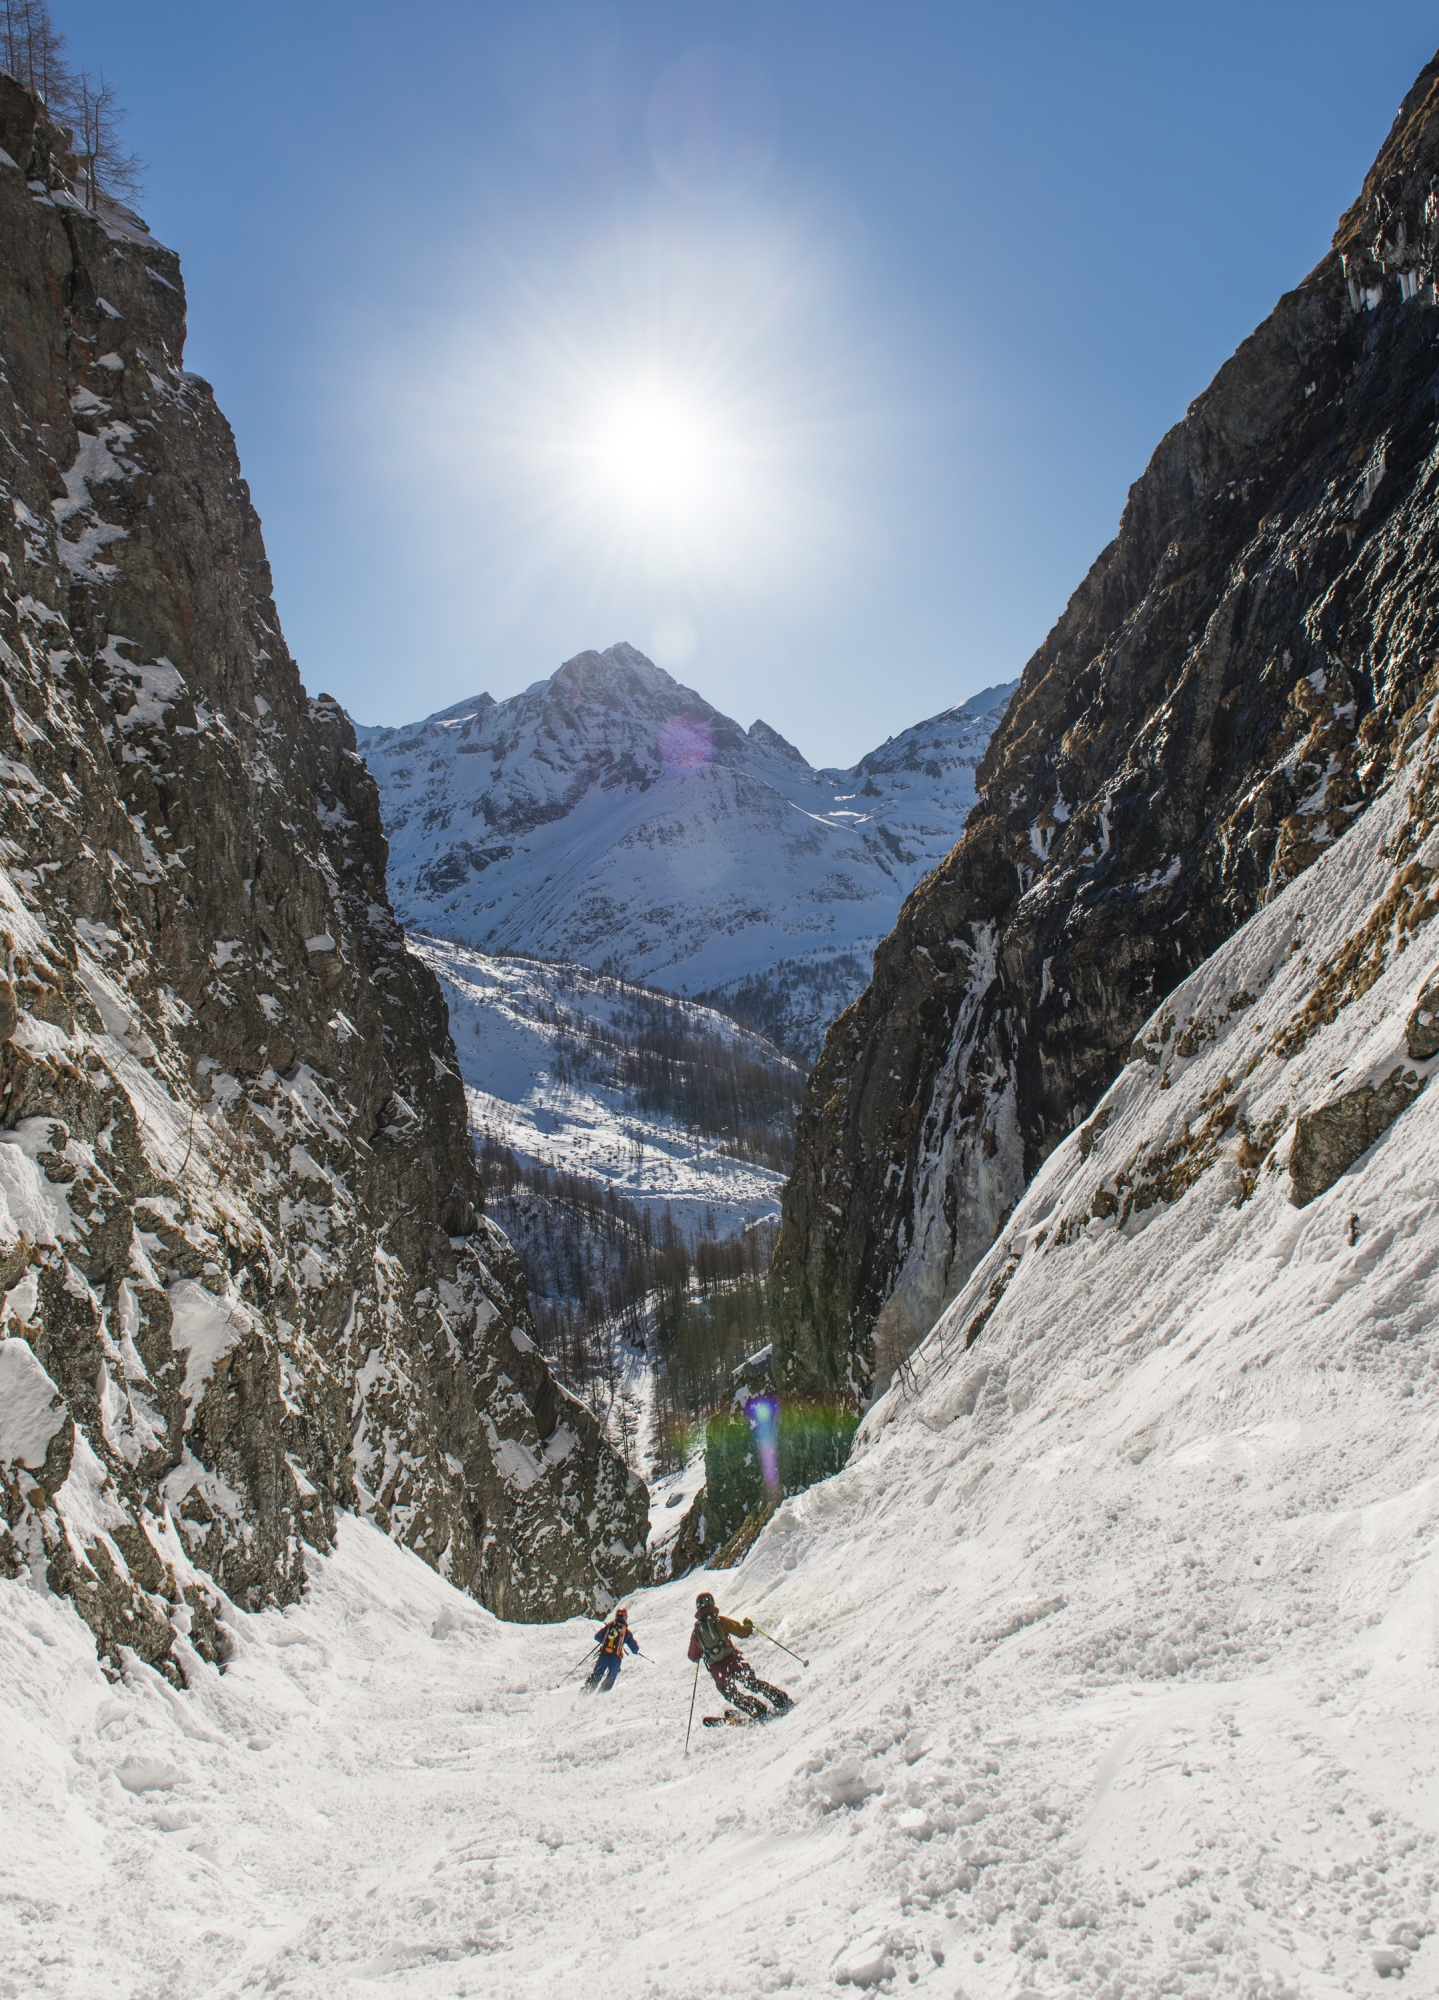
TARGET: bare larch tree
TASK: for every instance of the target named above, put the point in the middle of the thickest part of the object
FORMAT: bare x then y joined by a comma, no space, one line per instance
105,165
32,49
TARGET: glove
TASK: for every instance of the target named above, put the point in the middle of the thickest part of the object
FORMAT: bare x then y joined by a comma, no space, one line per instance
748,1627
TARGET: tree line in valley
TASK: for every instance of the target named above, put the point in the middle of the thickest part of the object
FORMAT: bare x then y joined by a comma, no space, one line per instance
82,102
672,1059
647,1322
612,1281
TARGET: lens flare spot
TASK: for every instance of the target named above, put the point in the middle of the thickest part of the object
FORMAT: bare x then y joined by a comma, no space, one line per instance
686,745
762,1416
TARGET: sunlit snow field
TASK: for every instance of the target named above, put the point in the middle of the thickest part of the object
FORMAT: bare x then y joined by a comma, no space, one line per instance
1122,1629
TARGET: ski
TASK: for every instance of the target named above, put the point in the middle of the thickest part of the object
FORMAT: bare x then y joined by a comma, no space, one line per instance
731,1716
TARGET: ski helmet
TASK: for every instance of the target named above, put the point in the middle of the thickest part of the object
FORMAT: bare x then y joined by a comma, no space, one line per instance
622,1616
704,1602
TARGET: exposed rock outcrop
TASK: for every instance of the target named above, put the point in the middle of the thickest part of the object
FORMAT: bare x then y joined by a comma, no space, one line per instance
246,1278
1421,1031
1330,1138
1220,698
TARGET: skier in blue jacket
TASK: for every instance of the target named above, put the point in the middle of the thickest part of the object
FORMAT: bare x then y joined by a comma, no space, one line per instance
612,1638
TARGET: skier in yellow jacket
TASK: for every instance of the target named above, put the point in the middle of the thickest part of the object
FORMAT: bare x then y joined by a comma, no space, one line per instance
612,1638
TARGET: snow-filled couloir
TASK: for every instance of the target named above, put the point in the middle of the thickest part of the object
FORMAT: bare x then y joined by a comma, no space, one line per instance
1120,1622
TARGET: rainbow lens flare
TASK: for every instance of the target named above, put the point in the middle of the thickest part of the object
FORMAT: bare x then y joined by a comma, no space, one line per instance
686,745
762,1416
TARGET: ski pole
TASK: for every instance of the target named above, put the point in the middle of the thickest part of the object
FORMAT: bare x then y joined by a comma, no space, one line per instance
584,1662
691,1723
782,1646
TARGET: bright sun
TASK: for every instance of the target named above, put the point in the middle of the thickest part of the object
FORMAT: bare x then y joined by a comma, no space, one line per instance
653,451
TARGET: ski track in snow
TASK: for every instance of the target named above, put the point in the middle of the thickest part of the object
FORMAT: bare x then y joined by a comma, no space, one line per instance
1123,1630
390,1792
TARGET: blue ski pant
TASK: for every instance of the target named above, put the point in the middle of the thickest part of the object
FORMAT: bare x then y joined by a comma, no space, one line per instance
606,1671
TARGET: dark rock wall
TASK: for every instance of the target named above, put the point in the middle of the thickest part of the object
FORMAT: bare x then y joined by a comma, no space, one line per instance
246,1278
1221,696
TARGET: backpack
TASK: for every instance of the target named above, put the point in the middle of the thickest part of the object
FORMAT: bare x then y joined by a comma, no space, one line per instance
714,1640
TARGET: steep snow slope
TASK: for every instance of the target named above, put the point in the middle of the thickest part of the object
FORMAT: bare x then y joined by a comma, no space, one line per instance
1121,1622
611,817
518,1025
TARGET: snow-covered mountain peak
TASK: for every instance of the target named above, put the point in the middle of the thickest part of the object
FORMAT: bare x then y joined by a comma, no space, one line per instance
612,817
761,734
928,748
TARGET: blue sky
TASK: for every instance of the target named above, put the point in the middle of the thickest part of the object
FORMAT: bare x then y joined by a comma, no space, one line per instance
811,347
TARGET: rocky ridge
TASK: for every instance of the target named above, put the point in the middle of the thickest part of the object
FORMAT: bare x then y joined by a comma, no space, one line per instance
1223,694
246,1277
611,817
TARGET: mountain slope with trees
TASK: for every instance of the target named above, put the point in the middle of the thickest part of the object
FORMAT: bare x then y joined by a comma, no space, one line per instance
633,1147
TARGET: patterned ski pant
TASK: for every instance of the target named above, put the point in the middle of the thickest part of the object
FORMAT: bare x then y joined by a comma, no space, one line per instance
743,1677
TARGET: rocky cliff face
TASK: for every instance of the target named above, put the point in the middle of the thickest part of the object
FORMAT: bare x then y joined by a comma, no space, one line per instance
1222,695
245,1275
613,818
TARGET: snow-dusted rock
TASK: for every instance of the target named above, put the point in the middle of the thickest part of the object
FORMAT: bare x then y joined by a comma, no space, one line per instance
1220,701
246,1278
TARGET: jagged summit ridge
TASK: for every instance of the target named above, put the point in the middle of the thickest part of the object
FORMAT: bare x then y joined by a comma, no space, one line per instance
612,817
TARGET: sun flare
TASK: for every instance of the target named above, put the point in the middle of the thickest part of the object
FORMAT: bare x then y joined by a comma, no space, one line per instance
653,450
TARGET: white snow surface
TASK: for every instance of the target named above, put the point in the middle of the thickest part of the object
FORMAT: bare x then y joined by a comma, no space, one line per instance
1122,1628
572,822
32,1410
508,1015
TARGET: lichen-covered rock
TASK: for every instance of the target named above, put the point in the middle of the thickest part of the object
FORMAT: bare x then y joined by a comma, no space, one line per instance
1329,1139
245,1277
1421,1030
1224,692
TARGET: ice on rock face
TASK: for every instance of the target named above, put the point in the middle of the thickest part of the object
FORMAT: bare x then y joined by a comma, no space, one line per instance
204,1329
